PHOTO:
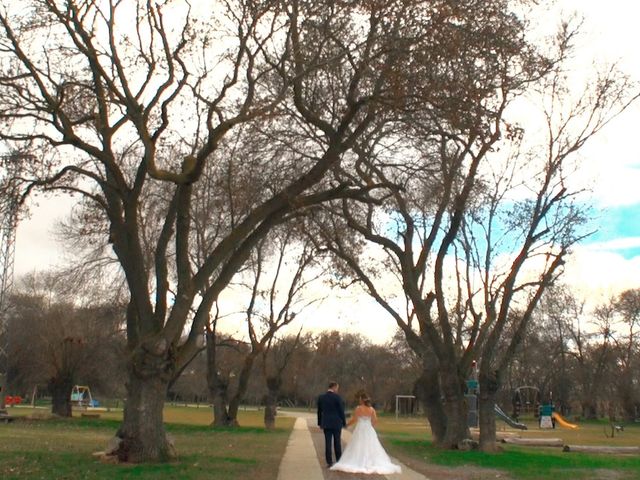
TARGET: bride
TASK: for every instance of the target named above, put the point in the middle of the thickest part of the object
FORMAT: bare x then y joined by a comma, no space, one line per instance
364,453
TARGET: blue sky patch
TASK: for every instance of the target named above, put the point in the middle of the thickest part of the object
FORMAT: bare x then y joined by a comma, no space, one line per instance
618,230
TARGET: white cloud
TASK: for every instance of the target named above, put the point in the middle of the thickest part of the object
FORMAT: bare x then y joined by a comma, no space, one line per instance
36,248
598,274
615,244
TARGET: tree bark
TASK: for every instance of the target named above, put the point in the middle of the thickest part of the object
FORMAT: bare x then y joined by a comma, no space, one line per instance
455,408
428,390
142,434
61,387
218,395
489,384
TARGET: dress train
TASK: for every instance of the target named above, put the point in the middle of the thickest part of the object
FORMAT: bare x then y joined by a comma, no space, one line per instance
365,453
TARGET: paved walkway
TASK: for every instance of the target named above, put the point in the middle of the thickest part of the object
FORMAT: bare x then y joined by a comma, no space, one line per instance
301,460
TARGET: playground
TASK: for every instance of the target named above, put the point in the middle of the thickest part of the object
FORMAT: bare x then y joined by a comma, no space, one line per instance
37,446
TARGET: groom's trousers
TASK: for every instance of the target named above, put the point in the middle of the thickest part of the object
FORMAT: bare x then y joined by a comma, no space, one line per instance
332,435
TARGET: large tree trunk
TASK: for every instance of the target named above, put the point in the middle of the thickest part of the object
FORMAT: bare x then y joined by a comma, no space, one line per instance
428,392
218,396
271,402
489,384
455,408
61,387
142,434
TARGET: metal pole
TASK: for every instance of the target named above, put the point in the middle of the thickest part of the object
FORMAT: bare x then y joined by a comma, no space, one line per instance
8,223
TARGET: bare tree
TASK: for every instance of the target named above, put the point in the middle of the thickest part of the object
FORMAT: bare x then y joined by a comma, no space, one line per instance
559,316
279,278
627,349
59,342
593,353
443,139
276,356
114,98
469,259
517,248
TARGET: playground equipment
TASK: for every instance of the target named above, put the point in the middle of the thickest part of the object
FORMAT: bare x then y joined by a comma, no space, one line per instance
562,422
614,428
526,400
508,420
546,417
471,396
12,400
405,405
81,397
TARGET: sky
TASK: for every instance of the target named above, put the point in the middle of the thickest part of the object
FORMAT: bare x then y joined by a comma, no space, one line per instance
604,264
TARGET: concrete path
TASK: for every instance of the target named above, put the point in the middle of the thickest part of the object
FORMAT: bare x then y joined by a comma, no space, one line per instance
300,460
305,451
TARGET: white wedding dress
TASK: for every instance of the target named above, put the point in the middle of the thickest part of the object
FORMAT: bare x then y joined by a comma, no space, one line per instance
364,453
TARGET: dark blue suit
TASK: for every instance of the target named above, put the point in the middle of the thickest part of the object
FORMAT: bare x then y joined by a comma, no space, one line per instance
331,419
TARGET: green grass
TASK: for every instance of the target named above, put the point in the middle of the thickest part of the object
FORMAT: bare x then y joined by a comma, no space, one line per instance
410,438
526,463
61,449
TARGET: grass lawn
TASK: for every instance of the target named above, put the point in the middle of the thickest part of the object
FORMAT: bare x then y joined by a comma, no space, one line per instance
61,449
410,439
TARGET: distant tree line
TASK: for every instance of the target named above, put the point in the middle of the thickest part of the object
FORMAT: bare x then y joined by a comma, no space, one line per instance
383,371
585,361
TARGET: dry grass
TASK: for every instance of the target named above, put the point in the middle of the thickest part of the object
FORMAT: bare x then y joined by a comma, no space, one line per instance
61,448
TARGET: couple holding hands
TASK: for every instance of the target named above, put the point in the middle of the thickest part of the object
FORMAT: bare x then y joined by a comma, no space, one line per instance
364,453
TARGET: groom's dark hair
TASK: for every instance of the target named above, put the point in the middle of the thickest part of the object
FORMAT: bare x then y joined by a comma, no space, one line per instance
332,385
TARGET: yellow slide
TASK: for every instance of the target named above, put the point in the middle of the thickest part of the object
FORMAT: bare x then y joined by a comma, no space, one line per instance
562,422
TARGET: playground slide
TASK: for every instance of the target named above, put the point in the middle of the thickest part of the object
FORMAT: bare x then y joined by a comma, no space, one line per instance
562,422
510,421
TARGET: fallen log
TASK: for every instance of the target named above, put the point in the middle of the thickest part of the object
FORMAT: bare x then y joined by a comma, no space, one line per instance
601,449
500,436
535,442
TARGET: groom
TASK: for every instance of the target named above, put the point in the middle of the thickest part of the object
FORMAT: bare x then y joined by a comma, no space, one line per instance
331,419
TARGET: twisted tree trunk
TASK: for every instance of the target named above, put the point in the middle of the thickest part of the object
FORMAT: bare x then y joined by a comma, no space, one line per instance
142,435
428,390
218,394
455,407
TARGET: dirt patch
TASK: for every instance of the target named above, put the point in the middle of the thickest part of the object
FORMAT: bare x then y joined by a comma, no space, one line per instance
438,472
602,474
